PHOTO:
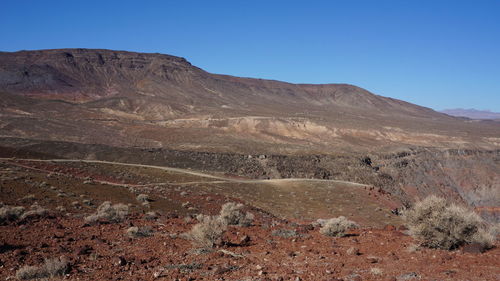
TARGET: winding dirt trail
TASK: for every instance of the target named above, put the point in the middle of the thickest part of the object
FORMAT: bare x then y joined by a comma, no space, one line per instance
186,171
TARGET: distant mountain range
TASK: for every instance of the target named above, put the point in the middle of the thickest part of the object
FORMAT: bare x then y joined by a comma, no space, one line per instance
472,113
123,98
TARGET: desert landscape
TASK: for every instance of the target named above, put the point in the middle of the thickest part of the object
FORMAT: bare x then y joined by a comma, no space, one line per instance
119,165
283,242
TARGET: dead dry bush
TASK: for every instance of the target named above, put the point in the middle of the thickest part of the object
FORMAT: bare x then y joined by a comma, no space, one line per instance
143,198
210,229
436,223
286,233
36,211
231,213
336,226
138,232
49,269
483,196
109,213
151,215
208,232
10,213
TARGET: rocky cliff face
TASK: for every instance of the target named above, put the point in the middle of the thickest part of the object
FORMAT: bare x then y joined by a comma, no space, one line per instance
83,75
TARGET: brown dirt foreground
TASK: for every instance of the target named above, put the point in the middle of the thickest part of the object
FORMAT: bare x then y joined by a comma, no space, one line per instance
105,252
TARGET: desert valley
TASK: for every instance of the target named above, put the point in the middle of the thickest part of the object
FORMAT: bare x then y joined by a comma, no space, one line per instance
119,165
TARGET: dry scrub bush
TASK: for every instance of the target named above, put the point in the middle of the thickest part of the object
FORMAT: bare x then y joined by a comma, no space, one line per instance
35,212
10,213
200,217
208,232
483,196
319,222
143,198
29,197
286,233
138,232
108,212
495,229
50,269
337,226
376,271
151,215
436,223
232,215
87,202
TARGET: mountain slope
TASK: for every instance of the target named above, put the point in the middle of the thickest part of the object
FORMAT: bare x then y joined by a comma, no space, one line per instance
88,75
126,99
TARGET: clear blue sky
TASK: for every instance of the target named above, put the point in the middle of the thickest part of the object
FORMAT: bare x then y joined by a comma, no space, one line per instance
439,54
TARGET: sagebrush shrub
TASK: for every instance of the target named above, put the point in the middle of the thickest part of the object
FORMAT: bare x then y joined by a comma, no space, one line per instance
151,215
29,272
50,269
231,213
208,232
107,212
137,232
210,229
436,223
337,226
143,198
200,217
286,233
35,212
10,213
